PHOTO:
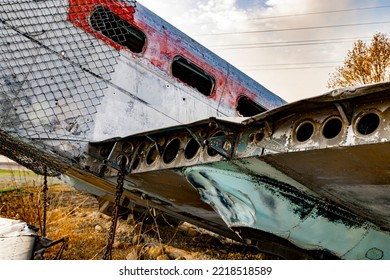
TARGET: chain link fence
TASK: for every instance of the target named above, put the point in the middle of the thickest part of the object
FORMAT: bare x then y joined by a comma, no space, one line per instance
54,69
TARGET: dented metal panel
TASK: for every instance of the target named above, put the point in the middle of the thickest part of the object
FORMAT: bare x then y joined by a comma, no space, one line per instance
311,176
268,205
321,187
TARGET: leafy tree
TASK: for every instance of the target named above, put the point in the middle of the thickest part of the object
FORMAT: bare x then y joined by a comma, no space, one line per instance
364,64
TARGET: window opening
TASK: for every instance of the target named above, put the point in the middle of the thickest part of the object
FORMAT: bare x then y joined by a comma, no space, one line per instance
117,29
248,108
192,75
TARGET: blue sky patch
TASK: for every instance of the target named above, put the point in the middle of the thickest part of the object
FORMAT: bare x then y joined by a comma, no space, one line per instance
251,4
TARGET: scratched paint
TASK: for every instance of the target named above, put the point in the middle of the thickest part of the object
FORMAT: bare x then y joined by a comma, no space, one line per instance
160,99
79,11
64,86
164,42
245,201
291,192
73,77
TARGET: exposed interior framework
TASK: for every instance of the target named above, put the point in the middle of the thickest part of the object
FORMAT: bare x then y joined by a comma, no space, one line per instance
325,158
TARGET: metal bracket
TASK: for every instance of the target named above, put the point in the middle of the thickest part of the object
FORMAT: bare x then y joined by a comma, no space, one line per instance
344,112
196,137
223,145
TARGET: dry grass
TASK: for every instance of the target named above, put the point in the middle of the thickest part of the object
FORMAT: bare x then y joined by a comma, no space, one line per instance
75,215
69,214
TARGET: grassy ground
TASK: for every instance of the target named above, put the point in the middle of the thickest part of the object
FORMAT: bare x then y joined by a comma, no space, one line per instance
75,215
70,214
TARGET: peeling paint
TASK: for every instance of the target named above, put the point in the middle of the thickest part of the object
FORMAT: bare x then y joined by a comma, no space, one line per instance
304,221
73,98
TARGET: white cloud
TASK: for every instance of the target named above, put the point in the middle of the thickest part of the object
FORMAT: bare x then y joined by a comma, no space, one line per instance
236,16
199,16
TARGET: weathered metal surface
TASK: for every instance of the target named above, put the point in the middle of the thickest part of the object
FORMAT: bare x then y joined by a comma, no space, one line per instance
65,84
322,187
310,177
268,205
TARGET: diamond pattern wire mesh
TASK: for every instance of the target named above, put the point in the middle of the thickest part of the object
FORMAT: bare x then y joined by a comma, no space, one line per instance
52,79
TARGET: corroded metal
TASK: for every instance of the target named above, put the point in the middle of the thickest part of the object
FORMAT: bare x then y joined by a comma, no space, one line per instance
324,190
310,177
61,79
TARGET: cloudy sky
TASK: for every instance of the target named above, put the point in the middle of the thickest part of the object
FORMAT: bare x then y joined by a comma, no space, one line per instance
289,46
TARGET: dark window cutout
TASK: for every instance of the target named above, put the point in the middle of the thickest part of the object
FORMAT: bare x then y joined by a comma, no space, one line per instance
248,108
117,29
192,75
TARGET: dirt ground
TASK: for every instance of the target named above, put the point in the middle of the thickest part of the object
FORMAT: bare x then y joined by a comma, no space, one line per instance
75,215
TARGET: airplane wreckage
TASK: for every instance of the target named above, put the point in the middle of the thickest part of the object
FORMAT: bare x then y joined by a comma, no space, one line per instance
122,105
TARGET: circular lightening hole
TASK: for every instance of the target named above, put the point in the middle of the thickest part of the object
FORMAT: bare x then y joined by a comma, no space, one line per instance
127,148
191,149
304,131
141,147
152,155
135,164
120,158
211,152
171,151
259,136
368,124
332,128
105,151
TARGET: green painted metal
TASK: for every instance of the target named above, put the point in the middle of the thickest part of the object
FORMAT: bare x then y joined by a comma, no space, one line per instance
269,205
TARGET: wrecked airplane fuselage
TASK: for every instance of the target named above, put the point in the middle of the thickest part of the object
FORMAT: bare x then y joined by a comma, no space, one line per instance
79,97
314,173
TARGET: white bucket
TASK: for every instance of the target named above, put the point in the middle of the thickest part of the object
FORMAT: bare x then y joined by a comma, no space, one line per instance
16,240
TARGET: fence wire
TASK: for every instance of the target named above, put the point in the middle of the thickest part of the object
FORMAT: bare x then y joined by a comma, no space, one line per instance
53,76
